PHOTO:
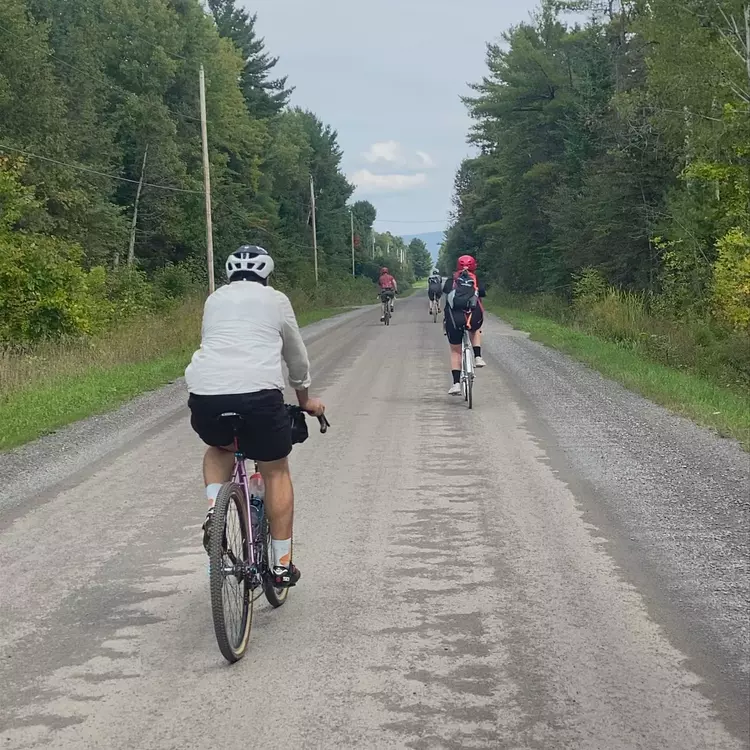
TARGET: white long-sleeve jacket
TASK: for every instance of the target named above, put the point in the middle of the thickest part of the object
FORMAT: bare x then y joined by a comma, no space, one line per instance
247,329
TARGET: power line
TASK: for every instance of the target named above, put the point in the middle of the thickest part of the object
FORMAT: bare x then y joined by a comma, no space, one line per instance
82,168
273,235
426,221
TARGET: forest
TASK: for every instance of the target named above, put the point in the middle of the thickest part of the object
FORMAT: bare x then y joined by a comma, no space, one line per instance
611,172
99,95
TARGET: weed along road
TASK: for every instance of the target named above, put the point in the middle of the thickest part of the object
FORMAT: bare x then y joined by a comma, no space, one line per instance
565,566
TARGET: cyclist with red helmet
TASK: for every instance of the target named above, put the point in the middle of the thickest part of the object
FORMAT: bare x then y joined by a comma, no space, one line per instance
388,287
463,310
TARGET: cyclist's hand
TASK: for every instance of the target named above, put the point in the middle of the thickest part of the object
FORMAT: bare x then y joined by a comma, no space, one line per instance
314,406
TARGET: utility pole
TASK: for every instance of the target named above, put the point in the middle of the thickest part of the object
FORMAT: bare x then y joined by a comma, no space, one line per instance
373,244
131,246
315,231
351,218
207,186
388,249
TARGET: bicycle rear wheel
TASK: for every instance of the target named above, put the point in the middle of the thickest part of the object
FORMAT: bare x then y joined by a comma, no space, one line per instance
470,389
276,597
231,598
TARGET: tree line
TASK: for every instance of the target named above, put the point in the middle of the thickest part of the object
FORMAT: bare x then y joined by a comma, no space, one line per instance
615,152
99,95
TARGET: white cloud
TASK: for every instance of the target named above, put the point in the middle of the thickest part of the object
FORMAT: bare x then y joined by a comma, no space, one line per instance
393,154
369,182
387,151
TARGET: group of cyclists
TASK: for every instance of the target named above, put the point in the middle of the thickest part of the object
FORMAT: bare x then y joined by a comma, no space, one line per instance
248,329
463,293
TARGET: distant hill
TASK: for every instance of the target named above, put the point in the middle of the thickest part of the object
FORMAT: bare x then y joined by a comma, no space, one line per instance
433,240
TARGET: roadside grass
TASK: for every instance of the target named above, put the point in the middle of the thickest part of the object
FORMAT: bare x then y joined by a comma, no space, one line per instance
55,384
713,405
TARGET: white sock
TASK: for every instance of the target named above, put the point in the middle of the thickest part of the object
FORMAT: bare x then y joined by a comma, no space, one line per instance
282,552
212,490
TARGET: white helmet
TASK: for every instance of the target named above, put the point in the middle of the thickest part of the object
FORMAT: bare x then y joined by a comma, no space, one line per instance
250,258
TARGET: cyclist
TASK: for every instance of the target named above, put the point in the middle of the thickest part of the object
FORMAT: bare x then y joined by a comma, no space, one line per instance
434,289
248,327
463,316
388,288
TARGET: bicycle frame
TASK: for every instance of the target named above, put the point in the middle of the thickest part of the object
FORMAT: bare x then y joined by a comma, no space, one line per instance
240,477
467,356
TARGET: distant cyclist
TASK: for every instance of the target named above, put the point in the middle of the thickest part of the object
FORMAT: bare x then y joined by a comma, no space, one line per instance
463,309
435,290
248,328
388,288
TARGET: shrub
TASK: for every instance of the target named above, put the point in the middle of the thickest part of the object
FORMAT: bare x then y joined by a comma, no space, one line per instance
731,280
129,291
588,285
43,288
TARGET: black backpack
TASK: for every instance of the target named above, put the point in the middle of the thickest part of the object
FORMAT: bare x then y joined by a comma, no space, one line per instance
464,294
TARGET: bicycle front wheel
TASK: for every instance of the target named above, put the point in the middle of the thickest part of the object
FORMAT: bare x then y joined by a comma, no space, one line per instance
231,598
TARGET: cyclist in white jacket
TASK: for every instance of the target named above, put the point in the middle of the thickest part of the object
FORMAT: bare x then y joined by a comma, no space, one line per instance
248,328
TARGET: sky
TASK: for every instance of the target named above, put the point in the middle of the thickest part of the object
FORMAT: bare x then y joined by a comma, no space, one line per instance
388,76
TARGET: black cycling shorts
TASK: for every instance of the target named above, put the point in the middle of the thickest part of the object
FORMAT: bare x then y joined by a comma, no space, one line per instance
455,322
266,433
434,294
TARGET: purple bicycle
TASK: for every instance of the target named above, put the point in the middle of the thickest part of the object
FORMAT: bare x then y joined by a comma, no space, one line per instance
240,556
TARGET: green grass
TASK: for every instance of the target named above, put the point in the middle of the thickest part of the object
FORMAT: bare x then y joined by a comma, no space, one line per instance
26,415
712,405
59,384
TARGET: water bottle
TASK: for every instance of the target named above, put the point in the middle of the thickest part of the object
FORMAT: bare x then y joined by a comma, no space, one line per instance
257,493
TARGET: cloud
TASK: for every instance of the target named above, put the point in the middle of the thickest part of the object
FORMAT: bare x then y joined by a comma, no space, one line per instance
367,181
387,151
427,161
393,154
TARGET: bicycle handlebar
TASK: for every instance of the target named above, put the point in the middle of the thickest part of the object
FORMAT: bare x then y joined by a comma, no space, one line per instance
322,419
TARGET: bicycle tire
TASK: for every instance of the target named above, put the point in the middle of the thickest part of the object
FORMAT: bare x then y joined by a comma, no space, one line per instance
276,597
232,645
465,373
470,390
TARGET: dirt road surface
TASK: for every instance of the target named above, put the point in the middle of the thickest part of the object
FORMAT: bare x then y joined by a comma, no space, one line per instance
565,566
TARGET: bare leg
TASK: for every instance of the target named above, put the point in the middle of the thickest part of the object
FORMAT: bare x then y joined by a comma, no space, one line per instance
455,356
217,465
476,338
279,497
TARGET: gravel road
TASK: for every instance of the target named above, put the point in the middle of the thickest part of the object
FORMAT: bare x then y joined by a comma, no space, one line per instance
564,567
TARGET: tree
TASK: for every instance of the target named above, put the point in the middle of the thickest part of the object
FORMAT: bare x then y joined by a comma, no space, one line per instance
264,97
420,257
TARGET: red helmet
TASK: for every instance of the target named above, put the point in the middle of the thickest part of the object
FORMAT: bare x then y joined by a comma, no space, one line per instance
466,263
383,270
